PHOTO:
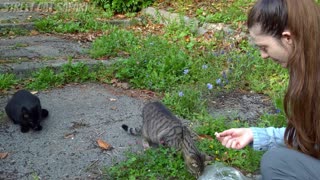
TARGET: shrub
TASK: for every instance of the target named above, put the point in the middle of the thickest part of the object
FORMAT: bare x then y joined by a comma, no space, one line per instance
124,6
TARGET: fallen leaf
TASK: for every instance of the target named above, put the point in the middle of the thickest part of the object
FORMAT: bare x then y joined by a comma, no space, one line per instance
113,108
124,85
204,136
34,92
187,38
69,135
3,155
114,81
103,145
120,16
34,32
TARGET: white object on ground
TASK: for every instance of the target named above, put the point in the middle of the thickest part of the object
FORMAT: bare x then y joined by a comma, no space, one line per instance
219,171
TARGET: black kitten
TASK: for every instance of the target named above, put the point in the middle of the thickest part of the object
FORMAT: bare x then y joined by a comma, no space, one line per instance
25,109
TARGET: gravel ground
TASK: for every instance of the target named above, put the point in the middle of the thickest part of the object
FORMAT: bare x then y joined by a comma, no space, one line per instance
66,148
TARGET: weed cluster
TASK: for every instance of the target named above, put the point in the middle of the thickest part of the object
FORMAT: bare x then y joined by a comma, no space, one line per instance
7,80
159,163
225,12
49,77
120,6
93,19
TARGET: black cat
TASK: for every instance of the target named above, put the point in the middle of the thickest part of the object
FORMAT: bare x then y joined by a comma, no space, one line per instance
25,109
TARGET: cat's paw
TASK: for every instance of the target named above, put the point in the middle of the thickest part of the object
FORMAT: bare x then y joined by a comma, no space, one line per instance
38,128
24,129
15,122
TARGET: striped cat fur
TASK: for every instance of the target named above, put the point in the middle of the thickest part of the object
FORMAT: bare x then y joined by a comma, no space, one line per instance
161,127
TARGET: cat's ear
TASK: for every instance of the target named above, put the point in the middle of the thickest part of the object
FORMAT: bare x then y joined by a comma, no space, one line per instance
25,113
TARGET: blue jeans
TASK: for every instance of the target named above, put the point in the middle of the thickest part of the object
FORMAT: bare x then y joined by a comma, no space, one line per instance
287,164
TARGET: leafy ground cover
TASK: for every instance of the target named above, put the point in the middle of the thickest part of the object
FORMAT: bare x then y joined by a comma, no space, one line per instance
177,64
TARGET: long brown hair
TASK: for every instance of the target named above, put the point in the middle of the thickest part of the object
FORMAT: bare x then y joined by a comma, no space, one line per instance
302,99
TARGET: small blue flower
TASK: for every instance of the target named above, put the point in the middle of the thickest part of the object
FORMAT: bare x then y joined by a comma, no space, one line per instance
180,93
204,66
209,86
222,52
186,71
218,81
277,111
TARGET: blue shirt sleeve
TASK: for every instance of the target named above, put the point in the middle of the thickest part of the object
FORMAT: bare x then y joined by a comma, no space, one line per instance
266,138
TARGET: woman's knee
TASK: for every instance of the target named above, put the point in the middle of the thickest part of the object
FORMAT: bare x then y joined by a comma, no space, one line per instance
284,163
275,164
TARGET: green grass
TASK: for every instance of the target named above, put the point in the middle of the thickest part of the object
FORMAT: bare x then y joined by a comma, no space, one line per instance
70,73
84,22
155,64
116,43
6,32
245,159
64,21
7,81
44,79
226,12
161,163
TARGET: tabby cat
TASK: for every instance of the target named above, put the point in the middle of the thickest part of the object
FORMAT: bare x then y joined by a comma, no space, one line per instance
161,127
25,109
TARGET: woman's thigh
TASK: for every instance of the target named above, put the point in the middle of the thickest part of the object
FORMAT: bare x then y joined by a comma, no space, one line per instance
284,163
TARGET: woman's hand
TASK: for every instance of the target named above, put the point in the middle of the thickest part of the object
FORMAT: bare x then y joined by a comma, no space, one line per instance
236,138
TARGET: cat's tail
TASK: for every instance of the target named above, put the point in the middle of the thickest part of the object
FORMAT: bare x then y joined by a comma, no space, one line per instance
136,131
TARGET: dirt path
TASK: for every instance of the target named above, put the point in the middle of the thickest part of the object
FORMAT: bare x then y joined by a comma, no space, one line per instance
66,148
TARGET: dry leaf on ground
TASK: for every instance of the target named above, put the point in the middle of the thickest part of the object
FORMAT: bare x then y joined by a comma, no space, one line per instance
103,145
204,136
113,108
34,92
69,136
3,155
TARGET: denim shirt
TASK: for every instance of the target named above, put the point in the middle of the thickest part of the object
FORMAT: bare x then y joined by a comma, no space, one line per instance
266,138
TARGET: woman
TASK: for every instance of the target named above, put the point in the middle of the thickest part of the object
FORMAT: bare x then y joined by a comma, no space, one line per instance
288,32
